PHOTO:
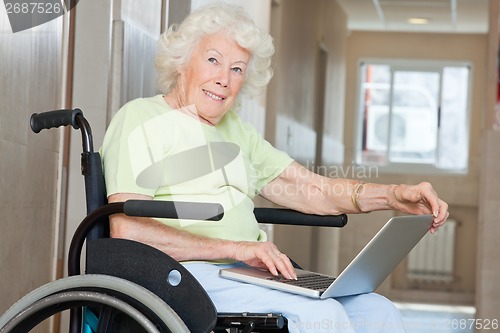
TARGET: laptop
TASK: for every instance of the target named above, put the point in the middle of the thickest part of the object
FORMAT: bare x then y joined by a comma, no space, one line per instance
363,275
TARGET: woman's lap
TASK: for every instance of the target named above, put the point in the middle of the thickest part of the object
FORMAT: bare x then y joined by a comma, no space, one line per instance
362,313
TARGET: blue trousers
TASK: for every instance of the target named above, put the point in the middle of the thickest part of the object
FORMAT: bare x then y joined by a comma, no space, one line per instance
361,313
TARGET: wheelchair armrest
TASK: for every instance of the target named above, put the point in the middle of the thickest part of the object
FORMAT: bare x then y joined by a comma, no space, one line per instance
160,209
186,211
292,217
174,209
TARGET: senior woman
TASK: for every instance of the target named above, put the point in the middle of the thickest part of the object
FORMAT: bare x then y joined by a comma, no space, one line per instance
188,144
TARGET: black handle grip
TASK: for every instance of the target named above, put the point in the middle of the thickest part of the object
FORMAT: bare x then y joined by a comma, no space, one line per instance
174,210
51,119
292,217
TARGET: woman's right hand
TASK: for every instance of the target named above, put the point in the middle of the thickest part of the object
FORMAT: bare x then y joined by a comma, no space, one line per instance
265,255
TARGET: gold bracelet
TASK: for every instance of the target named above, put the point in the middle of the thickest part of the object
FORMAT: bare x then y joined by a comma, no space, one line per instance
355,196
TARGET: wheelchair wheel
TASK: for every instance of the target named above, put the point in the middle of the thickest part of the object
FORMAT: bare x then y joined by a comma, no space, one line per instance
136,302
50,305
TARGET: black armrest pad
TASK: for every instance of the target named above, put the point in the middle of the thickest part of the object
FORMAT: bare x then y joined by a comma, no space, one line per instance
174,209
292,217
215,212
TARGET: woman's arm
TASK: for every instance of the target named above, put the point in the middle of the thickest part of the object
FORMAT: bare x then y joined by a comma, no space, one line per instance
183,246
300,189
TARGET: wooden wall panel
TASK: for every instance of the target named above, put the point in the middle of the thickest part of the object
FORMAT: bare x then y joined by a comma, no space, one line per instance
30,78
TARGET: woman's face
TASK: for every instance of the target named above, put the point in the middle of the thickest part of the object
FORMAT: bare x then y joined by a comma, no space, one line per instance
213,76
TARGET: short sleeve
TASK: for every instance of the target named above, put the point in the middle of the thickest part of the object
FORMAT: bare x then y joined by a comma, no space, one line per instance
267,161
126,152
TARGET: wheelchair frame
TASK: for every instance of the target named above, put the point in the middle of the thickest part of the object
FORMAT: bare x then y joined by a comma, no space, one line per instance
154,309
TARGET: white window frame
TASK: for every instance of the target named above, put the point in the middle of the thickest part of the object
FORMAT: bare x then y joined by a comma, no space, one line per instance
407,64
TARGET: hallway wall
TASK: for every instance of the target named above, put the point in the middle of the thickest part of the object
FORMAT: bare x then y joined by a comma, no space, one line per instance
31,74
301,33
291,116
460,191
487,298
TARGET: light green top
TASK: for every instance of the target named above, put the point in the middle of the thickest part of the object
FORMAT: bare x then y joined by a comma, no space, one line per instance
151,149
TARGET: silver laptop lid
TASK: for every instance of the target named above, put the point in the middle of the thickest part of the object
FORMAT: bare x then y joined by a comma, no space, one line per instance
380,256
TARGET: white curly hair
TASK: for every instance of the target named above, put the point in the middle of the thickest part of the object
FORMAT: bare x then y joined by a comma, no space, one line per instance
177,43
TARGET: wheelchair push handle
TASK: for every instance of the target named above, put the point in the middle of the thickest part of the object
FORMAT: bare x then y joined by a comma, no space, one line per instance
65,117
51,119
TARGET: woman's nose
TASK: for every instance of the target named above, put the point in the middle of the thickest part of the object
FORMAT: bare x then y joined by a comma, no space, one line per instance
223,78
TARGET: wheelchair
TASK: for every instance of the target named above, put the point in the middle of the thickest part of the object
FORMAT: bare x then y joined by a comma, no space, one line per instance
129,286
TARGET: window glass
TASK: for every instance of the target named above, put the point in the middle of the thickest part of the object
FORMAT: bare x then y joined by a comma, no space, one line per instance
453,134
414,115
413,118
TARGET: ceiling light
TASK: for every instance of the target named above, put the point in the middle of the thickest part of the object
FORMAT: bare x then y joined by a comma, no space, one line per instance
418,20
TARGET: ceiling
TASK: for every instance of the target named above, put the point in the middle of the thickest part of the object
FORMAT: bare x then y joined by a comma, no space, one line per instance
446,16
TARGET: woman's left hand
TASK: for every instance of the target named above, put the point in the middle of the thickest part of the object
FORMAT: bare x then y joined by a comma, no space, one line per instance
420,199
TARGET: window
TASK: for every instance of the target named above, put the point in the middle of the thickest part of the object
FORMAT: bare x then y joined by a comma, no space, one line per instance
413,116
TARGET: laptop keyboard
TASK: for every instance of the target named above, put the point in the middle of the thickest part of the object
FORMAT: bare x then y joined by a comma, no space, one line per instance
309,281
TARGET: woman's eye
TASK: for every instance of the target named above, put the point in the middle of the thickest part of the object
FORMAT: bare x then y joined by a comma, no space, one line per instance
212,60
237,69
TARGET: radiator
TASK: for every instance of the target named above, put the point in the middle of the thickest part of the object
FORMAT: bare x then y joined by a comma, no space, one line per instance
432,258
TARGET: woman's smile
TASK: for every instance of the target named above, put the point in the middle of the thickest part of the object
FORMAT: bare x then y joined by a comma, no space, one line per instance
214,96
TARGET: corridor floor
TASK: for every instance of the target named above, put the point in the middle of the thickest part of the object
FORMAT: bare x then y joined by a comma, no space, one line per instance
426,318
